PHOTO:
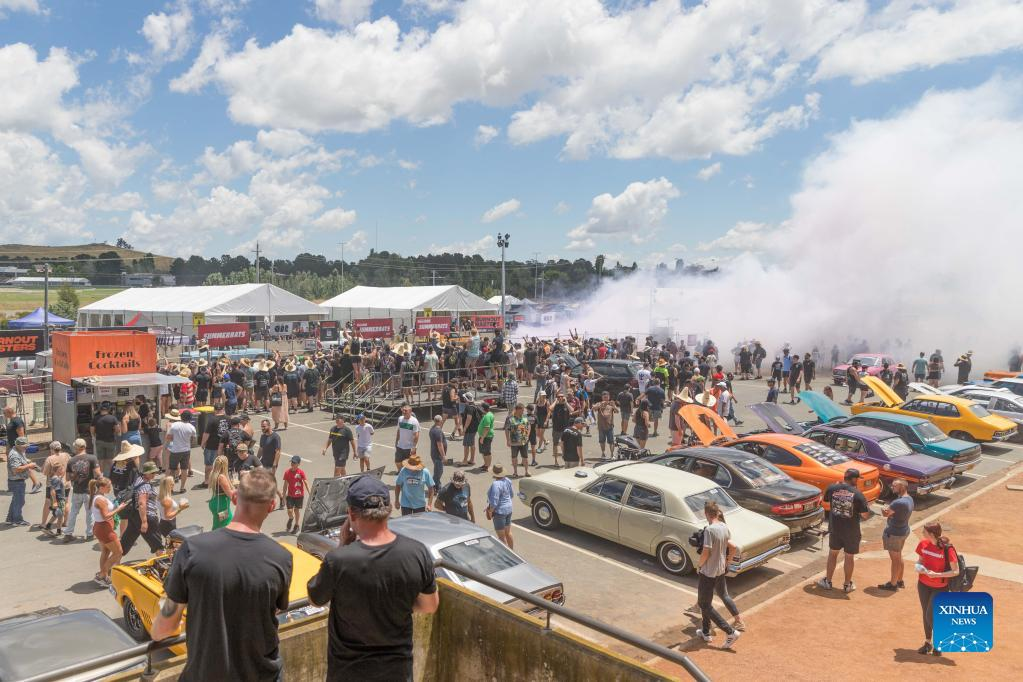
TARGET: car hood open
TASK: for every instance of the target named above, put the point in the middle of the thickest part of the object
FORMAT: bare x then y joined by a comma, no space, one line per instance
700,419
825,408
883,391
777,419
328,501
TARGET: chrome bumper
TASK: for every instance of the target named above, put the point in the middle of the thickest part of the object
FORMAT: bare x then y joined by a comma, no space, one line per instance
1003,436
931,487
963,467
753,562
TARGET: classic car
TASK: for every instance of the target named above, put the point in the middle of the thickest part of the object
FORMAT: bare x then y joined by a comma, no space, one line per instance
924,437
45,641
613,376
801,458
958,417
650,508
138,585
1014,384
871,363
754,483
447,537
998,401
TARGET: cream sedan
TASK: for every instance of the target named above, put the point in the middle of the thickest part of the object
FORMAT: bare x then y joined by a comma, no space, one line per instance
650,508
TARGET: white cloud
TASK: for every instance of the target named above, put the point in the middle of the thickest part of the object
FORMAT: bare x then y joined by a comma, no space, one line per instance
707,172
169,35
743,236
283,142
502,210
480,246
214,49
635,214
561,208
370,161
408,165
343,12
485,135
335,219
126,201
28,6
917,35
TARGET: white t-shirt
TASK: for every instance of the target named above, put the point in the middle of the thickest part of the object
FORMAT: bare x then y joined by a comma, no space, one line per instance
363,435
181,435
724,402
100,504
643,377
407,430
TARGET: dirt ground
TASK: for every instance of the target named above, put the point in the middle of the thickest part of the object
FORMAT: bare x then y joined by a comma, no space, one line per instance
990,525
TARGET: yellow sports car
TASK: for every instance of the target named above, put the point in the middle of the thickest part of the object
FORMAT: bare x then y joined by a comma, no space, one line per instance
138,585
958,417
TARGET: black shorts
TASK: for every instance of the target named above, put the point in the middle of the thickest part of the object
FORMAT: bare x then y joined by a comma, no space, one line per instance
847,542
293,502
519,451
341,459
261,393
401,454
179,460
485,444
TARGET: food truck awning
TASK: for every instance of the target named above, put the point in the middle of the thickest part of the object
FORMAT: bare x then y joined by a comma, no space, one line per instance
115,380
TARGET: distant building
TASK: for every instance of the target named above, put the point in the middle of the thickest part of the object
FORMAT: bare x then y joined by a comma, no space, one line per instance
9,272
147,279
38,282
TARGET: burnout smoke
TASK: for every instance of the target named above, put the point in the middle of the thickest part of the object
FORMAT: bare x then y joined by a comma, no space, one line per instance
904,233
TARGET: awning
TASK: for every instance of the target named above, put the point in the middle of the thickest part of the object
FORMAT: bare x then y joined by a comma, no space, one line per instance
114,380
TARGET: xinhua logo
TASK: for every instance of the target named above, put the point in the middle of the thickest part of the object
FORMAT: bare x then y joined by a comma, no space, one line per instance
963,622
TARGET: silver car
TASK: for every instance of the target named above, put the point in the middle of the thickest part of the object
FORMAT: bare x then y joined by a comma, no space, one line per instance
1000,401
448,537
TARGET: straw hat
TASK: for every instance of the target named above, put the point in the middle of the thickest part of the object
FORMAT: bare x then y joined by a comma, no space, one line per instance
413,463
174,415
402,347
706,399
204,363
129,451
203,346
309,363
289,366
267,365
246,362
185,372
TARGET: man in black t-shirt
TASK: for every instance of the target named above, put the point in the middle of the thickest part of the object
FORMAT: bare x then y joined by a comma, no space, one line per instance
105,430
213,439
340,440
375,580
233,581
572,443
848,507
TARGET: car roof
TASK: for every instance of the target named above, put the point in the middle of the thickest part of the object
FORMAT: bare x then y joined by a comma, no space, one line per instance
994,392
864,431
720,454
1009,380
660,477
889,417
436,529
943,398
768,437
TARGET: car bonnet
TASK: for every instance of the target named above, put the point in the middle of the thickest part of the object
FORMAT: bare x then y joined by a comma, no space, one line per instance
883,391
825,408
328,501
694,416
776,418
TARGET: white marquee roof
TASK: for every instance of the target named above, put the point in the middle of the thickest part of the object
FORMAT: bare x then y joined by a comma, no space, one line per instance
508,300
445,297
227,300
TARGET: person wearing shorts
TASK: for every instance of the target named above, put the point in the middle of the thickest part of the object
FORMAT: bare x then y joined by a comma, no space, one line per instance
516,435
363,441
180,435
296,485
499,505
896,531
485,431
605,412
848,508
339,440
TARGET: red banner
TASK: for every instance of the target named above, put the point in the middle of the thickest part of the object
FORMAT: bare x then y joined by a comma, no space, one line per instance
440,324
488,323
379,328
223,335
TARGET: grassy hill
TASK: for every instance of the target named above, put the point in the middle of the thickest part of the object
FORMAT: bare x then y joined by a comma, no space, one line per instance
59,253
15,303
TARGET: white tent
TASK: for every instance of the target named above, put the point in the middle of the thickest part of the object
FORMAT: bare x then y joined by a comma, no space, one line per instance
181,308
404,304
508,300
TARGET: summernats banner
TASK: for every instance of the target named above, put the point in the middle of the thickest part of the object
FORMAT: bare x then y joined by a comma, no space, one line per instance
20,342
224,335
425,325
329,330
488,323
379,328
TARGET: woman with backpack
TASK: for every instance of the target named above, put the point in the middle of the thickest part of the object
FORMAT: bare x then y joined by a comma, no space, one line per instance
938,562
220,501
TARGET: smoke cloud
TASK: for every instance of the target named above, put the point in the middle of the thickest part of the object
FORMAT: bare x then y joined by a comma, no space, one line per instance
905,232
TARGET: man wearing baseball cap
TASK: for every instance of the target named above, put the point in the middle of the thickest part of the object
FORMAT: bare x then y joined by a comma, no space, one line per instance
572,443
371,638
18,468
848,507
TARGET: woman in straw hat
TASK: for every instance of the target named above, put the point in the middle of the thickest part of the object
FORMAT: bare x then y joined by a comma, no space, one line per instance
279,403
124,470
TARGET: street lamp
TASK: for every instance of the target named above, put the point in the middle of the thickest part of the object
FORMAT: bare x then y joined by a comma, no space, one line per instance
45,269
502,241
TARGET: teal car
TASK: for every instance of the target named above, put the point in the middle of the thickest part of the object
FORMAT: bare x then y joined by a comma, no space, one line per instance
924,437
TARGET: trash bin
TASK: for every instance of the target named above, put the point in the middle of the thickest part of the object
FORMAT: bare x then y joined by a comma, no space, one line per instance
202,415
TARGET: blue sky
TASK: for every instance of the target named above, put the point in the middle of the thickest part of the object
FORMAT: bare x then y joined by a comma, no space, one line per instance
426,125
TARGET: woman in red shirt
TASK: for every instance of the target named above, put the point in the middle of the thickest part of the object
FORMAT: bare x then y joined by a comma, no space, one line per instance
938,562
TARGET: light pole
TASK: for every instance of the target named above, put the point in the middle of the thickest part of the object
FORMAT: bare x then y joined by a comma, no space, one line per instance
45,268
502,241
343,266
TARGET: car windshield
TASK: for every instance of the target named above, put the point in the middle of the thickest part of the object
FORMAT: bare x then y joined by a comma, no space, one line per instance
930,433
760,473
866,360
696,502
979,411
822,453
484,555
894,447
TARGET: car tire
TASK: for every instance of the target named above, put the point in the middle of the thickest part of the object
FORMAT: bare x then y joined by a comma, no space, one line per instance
544,515
962,435
836,382
133,621
674,559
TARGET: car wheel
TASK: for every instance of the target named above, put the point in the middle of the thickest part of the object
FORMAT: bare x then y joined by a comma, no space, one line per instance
133,621
836,382
544,515
962,435
674,558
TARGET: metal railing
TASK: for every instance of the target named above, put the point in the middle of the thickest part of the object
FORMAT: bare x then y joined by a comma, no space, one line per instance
550,608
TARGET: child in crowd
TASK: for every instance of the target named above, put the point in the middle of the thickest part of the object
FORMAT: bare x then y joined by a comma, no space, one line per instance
772,391
296,485
58,500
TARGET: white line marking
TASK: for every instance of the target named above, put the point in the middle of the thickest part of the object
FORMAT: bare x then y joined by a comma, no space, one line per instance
787,563
609,561
994,459
312,428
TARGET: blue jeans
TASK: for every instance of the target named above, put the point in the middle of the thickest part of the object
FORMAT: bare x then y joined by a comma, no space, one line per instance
79,502
17,488
438,470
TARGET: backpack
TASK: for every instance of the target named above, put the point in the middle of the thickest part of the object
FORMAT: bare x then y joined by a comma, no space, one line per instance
967,574
80,472
234,439
223,428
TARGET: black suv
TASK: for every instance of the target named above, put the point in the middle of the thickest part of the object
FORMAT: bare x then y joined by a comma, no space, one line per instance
612,375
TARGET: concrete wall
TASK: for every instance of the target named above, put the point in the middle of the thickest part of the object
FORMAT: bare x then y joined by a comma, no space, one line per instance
469,638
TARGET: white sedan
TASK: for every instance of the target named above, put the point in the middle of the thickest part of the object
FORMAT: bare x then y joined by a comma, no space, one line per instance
650,508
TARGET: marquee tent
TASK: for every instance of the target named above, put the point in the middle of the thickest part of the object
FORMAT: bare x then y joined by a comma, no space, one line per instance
34,320
404,304
182,308
509,300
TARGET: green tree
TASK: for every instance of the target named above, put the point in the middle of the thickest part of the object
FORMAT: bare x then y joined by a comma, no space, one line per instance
67,303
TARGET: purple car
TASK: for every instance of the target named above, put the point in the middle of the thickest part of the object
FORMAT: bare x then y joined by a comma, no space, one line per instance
889,453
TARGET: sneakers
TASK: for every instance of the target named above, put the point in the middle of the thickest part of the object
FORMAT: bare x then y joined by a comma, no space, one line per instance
901,585
925,649
824,584
704,636
287,529
849,587
731,639
888,587
36,488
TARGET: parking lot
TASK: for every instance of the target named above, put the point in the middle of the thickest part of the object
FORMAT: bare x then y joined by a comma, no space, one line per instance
602,579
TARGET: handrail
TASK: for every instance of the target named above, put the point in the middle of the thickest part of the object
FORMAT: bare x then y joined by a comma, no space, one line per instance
603,628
